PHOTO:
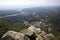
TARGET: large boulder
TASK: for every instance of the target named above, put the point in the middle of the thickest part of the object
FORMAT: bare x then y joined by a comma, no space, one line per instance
14,35
7,38
34,29
45,36
27,32
50,36
10,33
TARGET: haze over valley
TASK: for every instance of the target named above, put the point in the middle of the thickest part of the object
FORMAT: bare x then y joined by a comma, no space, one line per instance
31,19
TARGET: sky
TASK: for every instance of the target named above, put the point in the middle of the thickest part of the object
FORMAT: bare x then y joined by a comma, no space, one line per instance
16,4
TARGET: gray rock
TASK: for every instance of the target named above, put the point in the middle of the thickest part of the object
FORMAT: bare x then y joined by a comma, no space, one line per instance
14,35
31,33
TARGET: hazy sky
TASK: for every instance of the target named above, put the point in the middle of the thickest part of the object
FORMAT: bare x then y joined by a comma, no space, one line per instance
6,4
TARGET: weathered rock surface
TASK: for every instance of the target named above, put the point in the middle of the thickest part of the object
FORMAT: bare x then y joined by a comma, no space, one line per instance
14,35
31,33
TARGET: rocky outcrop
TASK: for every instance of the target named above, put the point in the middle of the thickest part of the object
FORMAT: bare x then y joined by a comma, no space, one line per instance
31,33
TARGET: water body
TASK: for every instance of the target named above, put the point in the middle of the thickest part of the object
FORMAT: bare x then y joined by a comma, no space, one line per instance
9,15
